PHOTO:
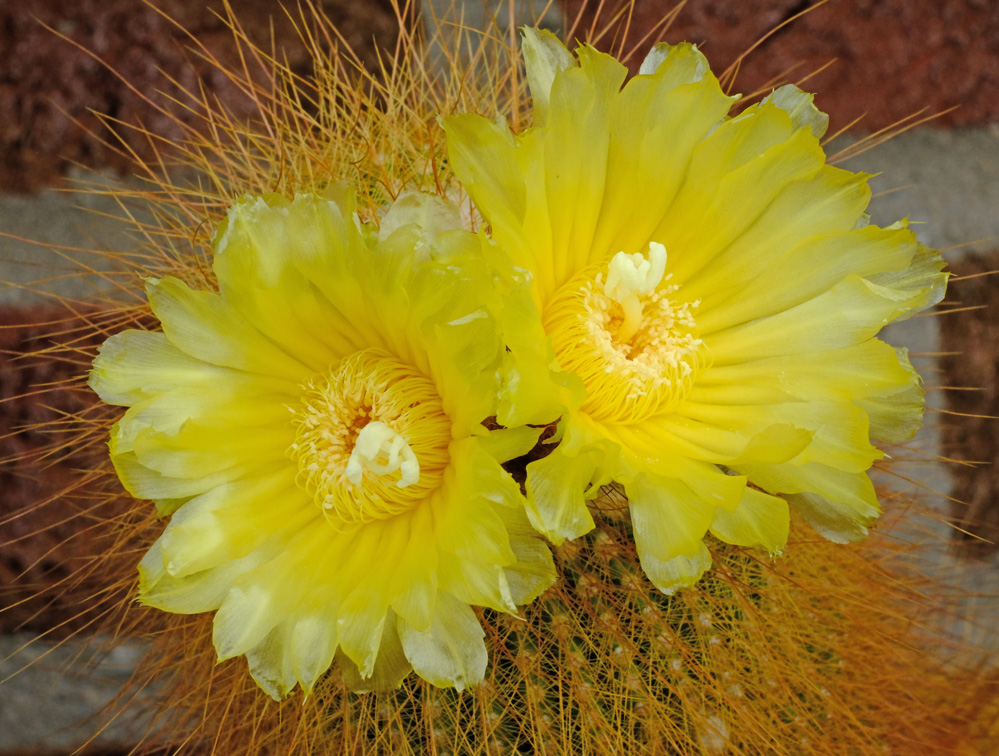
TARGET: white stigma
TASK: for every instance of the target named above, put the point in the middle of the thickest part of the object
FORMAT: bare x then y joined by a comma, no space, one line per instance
628,276
381,450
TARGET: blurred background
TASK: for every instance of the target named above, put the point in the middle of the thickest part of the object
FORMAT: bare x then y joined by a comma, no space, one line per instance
878,62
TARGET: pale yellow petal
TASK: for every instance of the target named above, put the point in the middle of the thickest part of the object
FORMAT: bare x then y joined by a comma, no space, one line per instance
144,483
662,438
477,583
679,572
872,375
668,518
556,493
452,652
134,366
191,594
312,642
390,668
801,107
839,505
413,588
849,313
544,57
234,519
839,431
806,270
760,521
203,325
270,662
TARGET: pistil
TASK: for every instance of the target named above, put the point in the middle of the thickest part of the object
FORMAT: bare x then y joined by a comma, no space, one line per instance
380,450
628,277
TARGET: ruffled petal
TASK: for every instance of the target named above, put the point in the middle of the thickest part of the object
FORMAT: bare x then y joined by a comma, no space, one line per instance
452,652
544,57
144,483
205,326
849,313
190,594
391,666
679,572
840,505
806,270
135,366
556,493
259,253
233,520
489,554
872,375
312,643
669,520
760,521
270,662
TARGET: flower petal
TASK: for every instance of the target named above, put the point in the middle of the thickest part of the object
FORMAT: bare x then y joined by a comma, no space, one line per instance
390,668
556,487
760,520
203,325
668,518
544,57
259,256
452,652
312,642
840,505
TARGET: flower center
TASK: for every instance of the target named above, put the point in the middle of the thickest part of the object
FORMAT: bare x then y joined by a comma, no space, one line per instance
372,438
623,332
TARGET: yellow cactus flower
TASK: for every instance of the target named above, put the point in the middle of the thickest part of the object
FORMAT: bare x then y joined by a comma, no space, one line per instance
715,287
314,428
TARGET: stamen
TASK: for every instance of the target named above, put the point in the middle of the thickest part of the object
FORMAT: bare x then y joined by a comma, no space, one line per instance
628,276
625,331
372,438
382,451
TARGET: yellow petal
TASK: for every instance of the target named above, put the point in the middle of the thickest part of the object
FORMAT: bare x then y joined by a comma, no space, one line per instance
312,643
260,254
556,488
234,519
801,107
191,594
544,57
452,652
839,431
270,663
806,270
390,668
849,313
840,505
668,518
760,521
656,121
679,572
576,139
203,325
144,483
735,174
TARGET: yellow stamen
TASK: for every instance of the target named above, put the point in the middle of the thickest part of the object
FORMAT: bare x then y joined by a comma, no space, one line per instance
626,335
372,438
